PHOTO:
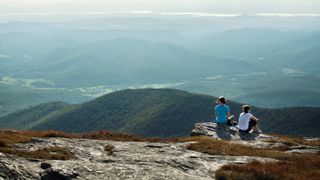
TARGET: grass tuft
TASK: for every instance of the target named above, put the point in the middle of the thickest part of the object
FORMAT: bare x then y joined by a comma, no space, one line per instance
108,135
109,148
289,166
303,167
293,140
3,144
50,153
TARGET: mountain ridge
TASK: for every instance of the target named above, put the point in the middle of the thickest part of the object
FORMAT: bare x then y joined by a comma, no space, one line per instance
165,113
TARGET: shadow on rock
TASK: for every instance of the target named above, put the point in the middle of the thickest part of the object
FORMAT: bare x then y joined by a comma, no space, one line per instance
247,136
222,131
51,174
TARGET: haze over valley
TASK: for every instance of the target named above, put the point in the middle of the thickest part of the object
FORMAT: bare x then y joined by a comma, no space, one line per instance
78,57
159,89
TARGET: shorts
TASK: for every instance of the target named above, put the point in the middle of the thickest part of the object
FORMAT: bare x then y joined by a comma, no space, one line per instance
228,123
231,122
251,124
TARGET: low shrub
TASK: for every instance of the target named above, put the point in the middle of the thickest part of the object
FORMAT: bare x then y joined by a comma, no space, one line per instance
3,144
293,140
50,153
305,166
109,148
289,166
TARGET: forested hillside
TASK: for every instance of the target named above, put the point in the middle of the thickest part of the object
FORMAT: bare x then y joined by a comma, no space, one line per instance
155,112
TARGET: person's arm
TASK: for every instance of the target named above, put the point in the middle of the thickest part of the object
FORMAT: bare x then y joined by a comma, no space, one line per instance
215,112
254,118
228,113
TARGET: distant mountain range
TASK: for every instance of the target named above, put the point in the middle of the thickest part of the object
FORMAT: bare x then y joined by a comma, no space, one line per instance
154,112
128,61
247,64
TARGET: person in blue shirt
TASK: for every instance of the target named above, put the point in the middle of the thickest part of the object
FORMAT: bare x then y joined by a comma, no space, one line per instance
222,112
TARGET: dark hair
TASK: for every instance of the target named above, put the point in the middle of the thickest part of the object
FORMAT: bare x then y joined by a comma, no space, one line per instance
222,99
246,108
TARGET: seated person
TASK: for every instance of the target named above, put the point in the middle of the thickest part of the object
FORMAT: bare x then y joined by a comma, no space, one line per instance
222,112
247,121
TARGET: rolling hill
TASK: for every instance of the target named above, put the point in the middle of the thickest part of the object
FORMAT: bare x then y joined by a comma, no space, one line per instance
23,118
156,112
129,61
270,48
17,97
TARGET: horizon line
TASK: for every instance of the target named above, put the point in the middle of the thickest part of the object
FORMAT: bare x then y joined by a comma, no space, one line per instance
146,12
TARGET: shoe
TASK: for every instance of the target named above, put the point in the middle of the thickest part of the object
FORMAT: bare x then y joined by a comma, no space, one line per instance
257,131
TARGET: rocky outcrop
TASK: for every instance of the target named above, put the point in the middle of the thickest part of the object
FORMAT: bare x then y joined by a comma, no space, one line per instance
221,131
135,160
225,132
129,160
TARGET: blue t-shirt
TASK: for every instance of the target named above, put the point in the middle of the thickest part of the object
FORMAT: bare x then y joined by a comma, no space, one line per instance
222,111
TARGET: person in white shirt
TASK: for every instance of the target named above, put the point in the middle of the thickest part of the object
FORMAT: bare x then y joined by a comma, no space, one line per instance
247,121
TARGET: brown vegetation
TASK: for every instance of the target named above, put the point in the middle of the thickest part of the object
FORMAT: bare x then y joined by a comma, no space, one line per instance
289,166
109,148
108,135
10,137
221,147
303,167
294,140
54,152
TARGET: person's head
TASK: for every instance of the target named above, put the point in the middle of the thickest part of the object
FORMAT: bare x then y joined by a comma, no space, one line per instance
246,108
222,100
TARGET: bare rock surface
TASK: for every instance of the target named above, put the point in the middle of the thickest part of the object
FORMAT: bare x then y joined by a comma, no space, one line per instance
129,160
136,160
225,132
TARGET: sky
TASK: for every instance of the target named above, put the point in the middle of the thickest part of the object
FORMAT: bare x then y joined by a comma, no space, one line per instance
210,6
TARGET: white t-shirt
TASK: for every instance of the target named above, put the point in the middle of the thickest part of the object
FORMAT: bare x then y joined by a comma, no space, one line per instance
244,119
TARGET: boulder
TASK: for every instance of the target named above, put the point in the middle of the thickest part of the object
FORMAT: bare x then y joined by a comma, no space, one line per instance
221,131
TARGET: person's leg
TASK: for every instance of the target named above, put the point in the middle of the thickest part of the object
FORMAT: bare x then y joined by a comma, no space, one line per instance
252,125
244,131
231,121
255,126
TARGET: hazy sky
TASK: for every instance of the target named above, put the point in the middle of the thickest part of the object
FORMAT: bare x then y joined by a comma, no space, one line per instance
212,6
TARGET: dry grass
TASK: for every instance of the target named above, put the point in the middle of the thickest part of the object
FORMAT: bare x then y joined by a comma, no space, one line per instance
109,148
289,166
10,137
293,140
221,147
51,153
303,167
3,144
108,135
48,134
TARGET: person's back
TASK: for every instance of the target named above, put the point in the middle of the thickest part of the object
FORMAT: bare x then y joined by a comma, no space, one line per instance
244,120
222,111
247,121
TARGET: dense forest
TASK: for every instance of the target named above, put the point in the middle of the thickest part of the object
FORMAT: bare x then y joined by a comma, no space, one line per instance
154,112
